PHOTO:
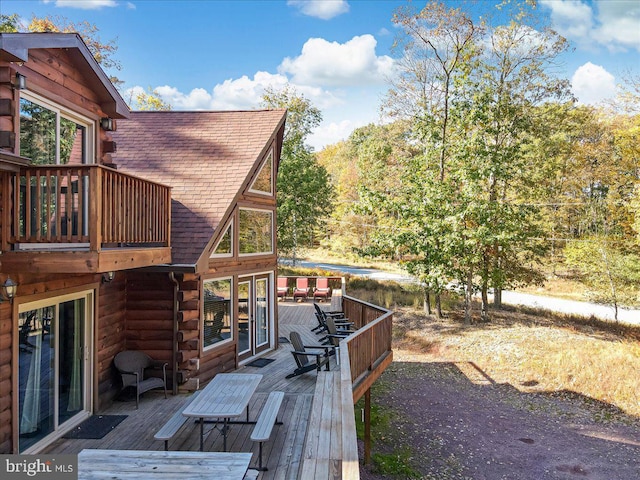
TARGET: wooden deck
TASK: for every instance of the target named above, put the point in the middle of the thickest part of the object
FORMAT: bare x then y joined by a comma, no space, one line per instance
282,454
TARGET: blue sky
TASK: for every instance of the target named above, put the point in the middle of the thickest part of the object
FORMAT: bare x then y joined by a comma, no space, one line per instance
219,54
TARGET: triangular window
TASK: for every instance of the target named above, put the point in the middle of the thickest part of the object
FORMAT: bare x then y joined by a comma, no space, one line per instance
264,181
224,248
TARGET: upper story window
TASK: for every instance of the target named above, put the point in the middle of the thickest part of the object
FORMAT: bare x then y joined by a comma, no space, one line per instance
264,181
49,135
255,231
224,248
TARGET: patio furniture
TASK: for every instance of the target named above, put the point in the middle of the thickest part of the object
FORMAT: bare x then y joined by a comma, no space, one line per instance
174,424
301,289
226,397
283,288
340,322
148,464
304,356
322,290
133,365
267,419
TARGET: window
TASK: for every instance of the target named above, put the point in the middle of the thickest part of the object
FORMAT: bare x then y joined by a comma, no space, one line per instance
255,232
216,312
263,182
51,136
224,248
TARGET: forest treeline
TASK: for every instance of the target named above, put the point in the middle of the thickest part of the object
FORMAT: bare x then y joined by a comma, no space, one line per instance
489,175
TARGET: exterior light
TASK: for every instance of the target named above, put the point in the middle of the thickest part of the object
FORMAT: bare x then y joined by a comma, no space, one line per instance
9,289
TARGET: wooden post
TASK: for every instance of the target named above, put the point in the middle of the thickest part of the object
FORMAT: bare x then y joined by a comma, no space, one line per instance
367,426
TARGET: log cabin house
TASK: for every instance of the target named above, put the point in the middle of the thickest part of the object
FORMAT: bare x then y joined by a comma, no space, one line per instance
147,231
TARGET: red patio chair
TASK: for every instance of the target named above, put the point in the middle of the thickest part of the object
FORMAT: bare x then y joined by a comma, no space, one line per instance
322,290
302,288
283,288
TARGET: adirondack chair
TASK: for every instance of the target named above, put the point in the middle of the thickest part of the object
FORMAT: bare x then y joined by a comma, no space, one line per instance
322,290
283,288
339,320
301,289
132,366
307,359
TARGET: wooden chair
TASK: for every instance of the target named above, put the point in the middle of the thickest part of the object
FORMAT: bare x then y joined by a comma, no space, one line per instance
301,289
322,290
303,356
283,288
132,366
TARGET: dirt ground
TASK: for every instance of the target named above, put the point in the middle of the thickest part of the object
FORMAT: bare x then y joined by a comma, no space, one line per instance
452,421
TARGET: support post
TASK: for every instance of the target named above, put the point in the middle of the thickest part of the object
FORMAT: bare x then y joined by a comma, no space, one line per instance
367,426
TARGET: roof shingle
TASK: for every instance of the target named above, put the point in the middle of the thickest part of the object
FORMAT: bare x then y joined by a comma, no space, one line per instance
205,157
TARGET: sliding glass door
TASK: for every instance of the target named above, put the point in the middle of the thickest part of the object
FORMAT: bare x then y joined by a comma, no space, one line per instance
53,365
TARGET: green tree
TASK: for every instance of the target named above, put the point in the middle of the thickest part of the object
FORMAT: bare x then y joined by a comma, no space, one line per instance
304,196
9,23
150,100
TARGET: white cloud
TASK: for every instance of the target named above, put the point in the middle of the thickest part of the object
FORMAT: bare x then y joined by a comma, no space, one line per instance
330,133
592,84
611,24
84,4
324,9
334,64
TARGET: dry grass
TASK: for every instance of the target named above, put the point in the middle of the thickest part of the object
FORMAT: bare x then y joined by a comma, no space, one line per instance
534,353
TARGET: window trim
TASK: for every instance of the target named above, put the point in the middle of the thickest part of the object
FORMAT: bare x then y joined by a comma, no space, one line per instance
268,159
272,214
224,255
61,111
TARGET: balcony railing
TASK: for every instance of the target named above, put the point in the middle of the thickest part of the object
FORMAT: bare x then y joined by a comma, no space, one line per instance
87,204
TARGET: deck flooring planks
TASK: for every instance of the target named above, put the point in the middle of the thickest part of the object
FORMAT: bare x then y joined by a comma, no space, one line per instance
283,452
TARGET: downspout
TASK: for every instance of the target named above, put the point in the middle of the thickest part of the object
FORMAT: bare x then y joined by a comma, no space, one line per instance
174,359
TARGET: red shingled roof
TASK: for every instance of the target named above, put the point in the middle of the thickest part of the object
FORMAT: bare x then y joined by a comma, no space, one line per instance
206,157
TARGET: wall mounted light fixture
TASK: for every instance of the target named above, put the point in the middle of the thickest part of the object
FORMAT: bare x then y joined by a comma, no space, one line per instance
108,124
108,277
21,81
9,289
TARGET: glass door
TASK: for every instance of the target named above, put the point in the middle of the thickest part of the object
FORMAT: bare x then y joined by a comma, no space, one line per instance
53,370
245,317
255,314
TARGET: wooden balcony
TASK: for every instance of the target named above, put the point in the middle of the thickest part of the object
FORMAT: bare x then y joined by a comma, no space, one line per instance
83,219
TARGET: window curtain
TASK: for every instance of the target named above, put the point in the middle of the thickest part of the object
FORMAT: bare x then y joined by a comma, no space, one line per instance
75,387
30,419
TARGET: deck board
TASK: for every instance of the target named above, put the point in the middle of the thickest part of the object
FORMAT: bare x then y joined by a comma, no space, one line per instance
282,454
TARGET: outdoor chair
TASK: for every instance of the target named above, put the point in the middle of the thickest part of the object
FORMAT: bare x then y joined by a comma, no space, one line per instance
301,289
283,288
339,321
132,366
322,290
307,360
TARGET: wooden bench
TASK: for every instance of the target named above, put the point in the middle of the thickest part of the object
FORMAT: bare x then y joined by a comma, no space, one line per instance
172,426
267,419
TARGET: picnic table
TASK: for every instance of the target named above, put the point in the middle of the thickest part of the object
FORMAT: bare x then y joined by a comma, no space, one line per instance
225,397
138,464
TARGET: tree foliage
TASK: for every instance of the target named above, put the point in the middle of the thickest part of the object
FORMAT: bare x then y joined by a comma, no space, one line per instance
304,196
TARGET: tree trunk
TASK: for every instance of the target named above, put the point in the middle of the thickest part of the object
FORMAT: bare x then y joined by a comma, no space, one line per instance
438,305
427,301
468,296
497,298
484,314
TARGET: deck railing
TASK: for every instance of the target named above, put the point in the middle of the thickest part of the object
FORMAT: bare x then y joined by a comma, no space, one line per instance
87,204
364,355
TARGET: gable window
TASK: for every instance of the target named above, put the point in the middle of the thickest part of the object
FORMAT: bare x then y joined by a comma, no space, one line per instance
224,248
255,231
263,182
216,312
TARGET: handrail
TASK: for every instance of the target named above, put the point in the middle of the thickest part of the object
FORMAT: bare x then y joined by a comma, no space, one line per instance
75,204
364,355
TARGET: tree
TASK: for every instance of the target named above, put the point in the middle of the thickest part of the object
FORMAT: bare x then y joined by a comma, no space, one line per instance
150,100
103,52
304,196
9,23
